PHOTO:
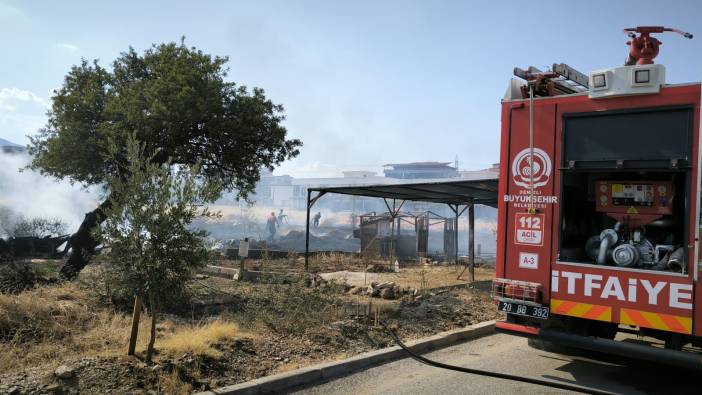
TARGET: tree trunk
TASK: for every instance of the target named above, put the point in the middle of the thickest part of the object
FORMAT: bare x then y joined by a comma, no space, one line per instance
152,338
83,242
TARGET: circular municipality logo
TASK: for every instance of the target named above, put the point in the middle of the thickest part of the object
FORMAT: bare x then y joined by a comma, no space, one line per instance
521,168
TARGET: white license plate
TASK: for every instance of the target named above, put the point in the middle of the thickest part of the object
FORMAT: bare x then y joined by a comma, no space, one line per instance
524,310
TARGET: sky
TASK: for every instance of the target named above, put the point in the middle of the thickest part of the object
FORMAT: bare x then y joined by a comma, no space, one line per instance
363,83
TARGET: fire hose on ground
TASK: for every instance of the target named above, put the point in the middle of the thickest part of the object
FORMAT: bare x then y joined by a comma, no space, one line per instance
498,375
462,369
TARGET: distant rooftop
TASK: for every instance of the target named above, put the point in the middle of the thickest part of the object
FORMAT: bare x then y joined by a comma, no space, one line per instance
5,143
419,164
449,192
358,173
417,170
10,147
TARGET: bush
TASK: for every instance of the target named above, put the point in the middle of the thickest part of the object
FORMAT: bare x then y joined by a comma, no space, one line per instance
16,277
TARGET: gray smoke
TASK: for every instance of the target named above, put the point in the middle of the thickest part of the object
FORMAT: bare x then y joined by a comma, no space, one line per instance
30,194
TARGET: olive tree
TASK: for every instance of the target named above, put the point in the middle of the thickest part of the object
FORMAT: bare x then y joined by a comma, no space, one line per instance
178,102
150,249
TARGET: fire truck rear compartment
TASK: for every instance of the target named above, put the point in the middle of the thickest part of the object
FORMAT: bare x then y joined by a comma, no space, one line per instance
625,188
649,243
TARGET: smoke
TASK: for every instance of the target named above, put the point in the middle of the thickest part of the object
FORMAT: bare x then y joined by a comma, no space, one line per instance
30,194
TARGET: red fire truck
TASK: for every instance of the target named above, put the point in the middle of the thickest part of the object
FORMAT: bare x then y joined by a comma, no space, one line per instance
599,211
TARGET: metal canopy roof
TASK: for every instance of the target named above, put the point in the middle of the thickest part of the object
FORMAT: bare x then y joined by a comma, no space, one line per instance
448,192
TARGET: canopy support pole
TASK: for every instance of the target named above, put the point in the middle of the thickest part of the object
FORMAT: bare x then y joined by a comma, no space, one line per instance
393,211
471,240
310,202
470,266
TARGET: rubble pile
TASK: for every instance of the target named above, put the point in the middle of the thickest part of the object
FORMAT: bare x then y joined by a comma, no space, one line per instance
380,268
314,280
386,290
334,240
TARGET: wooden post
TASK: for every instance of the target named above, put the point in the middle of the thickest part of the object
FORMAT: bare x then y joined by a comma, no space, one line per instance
136,314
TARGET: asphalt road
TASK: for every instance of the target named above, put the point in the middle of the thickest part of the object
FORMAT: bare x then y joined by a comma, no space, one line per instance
510,354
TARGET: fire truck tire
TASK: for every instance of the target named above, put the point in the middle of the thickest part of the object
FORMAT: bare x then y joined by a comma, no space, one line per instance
605,330
543,345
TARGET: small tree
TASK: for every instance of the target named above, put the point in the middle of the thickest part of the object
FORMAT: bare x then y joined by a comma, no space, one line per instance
151,250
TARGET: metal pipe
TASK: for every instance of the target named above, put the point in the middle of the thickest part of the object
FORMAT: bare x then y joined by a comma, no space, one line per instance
307,231
630,350
455,238
617,227
471,240
502,252
602,255
532,210
392,233
607,238
663,263
676,261
698,214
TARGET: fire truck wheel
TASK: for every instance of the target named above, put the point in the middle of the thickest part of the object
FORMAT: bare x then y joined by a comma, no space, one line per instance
547,346
606,330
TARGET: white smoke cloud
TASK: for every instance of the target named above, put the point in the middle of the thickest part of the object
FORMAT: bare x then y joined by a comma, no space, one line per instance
22,113
7,11
68,47
9,96
30,194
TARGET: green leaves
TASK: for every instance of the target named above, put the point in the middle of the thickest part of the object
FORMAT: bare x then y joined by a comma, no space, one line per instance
175,100
150,245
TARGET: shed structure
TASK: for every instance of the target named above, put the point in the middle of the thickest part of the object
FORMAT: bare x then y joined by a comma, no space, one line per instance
459,195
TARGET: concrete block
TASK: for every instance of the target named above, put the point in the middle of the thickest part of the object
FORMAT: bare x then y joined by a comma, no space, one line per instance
360,362
280,382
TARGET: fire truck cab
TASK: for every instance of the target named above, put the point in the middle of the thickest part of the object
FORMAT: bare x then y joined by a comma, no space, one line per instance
599,207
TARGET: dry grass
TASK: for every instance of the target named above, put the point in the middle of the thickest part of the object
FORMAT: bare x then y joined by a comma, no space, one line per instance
48,313
434,276
47,325
170,383
289,367
333,261
291,308
418,277
198,339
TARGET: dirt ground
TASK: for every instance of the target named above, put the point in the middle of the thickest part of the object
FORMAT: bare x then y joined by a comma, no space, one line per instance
414,277
255,329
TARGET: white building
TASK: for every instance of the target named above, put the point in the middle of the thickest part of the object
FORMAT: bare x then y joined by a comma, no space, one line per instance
288,192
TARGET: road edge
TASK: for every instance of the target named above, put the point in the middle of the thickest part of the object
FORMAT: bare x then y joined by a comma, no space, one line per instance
330,370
